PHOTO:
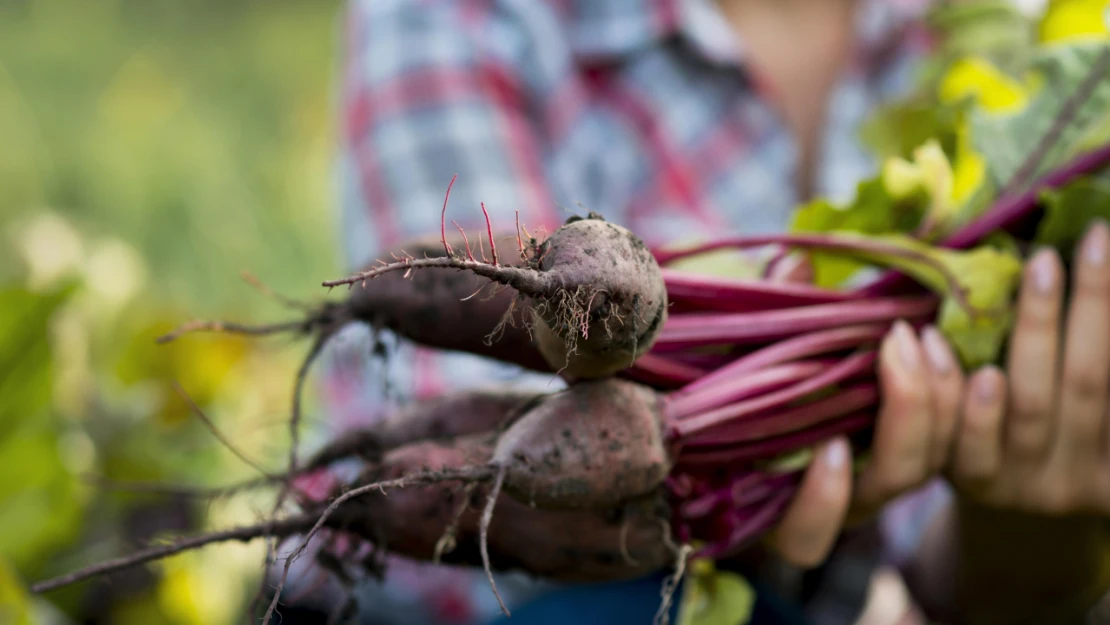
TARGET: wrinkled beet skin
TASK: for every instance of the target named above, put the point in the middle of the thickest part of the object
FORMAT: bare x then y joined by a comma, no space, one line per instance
590,446
624,291
559,545
609,267
427,308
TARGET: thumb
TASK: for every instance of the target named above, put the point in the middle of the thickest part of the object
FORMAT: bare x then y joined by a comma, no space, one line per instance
814,519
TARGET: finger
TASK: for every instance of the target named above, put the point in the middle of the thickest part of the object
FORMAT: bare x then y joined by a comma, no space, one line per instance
813,520
948,390
902,441
978,455
1086,368
1033,361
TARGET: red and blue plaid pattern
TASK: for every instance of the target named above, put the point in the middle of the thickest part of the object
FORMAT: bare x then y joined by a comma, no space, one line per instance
641,110
644,111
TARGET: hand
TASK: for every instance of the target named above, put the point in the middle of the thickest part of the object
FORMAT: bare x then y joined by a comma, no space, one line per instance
1031,461
1041,443
921,386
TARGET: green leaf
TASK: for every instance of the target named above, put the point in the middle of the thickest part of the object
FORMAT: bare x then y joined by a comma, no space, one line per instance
873,211
15,601
25,361
1069,212
977,323
993,29
713,597
1094,135
40,511
990,277
1005,141
896,129
977,285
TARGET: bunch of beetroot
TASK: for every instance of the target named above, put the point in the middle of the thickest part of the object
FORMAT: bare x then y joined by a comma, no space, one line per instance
689,397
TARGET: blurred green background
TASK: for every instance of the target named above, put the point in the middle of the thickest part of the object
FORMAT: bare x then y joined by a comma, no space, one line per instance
150,151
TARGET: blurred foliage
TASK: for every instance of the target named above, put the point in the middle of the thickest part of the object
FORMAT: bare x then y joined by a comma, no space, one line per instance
198,132
150,151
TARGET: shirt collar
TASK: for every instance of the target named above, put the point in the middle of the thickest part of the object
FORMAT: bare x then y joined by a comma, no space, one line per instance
607,30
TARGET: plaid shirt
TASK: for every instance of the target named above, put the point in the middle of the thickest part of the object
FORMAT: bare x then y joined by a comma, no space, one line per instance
644,111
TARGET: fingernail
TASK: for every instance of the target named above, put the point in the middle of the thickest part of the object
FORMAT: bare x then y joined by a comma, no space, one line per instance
836,454
907,345
1042,271
936,349
1096,243
986,386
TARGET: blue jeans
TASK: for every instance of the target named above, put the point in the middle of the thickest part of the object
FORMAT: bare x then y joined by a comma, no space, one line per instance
632,602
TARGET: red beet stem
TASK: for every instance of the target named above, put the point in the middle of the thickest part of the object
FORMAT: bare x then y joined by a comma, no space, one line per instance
751,526
707,360
831,241
779,422
747,488
811,344
661,371
730,390
703,505
772,447
699,330
850,366
771,483
718,293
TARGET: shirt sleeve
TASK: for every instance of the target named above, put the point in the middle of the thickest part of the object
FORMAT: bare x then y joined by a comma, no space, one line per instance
426,97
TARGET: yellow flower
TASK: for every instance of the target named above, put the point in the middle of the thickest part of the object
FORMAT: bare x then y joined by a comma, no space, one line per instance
990,88
1074,20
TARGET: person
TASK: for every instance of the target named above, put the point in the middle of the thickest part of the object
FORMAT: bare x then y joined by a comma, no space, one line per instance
682,119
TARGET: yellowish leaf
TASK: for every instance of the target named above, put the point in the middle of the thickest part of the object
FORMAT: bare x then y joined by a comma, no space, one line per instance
901,178
196,589
712,597
15,605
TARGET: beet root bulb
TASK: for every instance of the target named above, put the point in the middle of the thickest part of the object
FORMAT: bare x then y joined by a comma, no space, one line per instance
610,304
596,444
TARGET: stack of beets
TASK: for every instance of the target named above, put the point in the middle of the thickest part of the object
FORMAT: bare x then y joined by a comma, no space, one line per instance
682,387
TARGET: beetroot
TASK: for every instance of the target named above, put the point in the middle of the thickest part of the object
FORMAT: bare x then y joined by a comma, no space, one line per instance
594,445
609,299
595,291
438,307
612,543
615,542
